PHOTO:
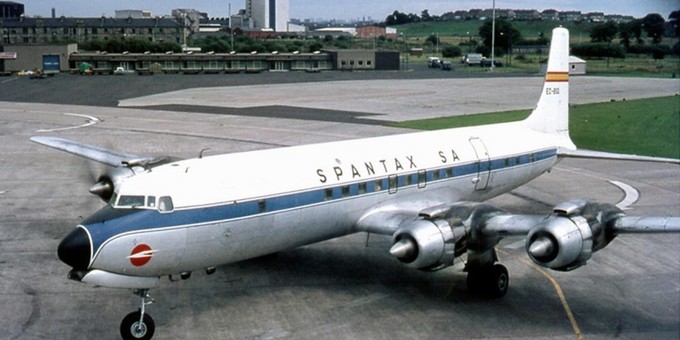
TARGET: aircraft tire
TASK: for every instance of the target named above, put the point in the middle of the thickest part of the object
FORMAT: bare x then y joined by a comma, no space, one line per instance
131,329
498,281
491,281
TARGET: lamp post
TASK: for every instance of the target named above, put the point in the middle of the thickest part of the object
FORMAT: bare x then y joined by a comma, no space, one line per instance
493,36
469,42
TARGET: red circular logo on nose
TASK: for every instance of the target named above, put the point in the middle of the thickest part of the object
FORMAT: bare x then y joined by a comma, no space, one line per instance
140,255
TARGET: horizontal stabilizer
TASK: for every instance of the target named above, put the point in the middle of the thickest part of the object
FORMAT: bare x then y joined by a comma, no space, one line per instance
95,153
588,154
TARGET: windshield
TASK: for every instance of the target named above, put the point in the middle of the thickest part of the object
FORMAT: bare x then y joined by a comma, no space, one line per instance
163,204
131,201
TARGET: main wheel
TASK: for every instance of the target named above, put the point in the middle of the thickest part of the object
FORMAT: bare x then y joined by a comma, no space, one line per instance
498,281
132,329
491,281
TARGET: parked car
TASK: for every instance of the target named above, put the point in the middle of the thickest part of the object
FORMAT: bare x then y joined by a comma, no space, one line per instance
433,62
122,71
446,65
472,59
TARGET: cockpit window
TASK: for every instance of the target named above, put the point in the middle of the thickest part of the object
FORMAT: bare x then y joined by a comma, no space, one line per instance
165,204
113,199
131,201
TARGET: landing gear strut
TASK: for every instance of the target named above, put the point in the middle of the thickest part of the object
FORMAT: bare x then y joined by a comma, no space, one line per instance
138,325
492,280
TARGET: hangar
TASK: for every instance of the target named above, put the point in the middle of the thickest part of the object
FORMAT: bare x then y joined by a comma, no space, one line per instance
50,58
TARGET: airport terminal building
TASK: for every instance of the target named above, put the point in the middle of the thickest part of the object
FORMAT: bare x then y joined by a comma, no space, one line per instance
66,58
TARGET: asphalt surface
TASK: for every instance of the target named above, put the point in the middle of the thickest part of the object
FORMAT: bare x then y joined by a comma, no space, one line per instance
346,288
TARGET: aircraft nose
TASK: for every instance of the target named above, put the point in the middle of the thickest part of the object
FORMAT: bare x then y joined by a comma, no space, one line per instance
74,249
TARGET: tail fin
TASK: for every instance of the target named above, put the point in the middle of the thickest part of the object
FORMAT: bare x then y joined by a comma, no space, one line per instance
551,114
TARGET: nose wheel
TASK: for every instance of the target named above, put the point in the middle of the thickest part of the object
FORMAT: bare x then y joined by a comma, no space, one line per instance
139,325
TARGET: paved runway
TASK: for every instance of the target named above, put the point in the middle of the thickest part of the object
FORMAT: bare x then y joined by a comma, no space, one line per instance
347,288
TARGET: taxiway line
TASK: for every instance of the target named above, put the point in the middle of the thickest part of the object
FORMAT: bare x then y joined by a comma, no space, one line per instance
558,290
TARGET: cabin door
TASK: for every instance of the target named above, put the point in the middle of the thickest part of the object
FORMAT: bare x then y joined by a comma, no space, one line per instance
483,164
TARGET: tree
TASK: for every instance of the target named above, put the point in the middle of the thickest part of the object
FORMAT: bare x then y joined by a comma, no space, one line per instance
604,32
674,19
433,39
654,24
506,34
425,15
399,18
625,33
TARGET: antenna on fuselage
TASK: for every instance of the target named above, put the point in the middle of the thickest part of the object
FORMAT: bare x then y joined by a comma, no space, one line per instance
200,154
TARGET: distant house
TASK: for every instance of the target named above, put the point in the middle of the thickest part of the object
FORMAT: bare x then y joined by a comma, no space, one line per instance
550,14
576,66
594,16
527,14
571,16
370,32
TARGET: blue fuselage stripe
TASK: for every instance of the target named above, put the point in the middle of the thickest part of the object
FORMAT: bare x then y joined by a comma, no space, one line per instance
109,222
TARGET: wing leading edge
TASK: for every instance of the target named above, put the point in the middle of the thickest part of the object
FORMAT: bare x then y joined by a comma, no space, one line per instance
92,152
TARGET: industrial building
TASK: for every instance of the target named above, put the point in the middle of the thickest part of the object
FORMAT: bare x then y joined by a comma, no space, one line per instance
269,14
149,63
11,9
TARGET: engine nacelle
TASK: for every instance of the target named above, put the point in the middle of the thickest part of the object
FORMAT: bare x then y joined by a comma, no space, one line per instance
561,243
425,244
568,238
106,183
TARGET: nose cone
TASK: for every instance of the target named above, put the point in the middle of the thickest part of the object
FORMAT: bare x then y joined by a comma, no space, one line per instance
74,249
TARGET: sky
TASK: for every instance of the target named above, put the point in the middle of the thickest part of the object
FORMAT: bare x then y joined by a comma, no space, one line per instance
344,9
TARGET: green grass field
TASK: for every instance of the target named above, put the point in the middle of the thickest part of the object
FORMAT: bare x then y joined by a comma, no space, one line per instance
644,127
462,31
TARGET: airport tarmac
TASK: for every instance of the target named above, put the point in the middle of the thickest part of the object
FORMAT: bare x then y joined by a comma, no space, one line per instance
346,288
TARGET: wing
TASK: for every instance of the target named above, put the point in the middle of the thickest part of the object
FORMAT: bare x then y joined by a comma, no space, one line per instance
124,165
92,152
429,238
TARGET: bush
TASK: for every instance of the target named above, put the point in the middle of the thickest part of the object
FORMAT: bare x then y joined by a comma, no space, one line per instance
598,50
451,51
656,51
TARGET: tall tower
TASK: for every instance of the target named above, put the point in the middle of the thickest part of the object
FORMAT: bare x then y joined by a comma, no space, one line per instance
274,14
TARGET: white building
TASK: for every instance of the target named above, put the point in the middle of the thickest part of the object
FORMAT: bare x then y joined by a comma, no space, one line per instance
272,14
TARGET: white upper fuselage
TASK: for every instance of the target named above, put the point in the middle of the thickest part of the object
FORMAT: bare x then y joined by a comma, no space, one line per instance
261,174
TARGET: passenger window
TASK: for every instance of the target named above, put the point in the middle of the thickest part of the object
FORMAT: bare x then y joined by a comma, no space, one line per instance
393,183
131,201
165,204
422,179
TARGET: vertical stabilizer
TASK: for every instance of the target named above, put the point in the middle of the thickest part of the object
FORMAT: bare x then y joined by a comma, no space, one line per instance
551,114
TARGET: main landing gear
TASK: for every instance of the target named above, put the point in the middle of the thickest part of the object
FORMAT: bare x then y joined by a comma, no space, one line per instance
490,280
138,325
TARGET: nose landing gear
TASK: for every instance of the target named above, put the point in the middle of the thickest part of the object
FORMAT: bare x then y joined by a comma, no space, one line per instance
138,325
